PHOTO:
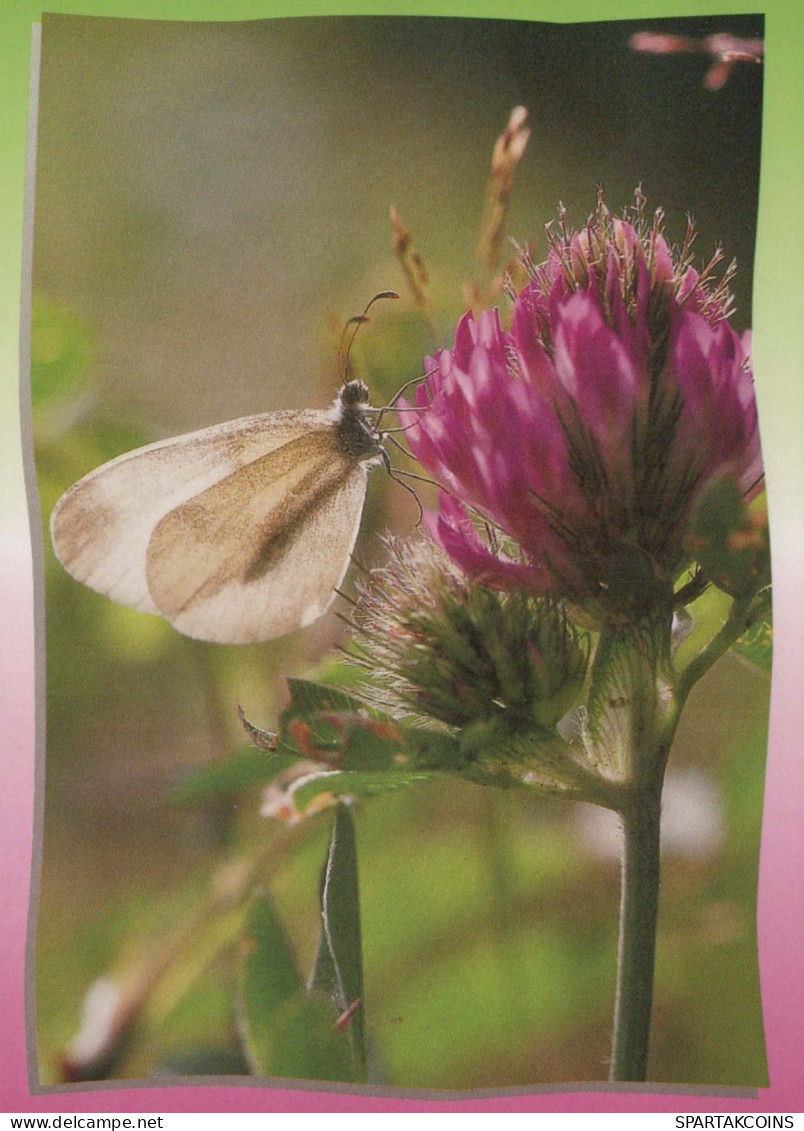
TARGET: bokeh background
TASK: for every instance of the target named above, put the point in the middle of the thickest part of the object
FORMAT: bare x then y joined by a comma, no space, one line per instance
212,203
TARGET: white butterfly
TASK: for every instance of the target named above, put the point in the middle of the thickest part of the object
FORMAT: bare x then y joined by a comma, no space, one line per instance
237,533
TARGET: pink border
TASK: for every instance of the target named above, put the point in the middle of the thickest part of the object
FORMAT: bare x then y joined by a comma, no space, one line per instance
781,938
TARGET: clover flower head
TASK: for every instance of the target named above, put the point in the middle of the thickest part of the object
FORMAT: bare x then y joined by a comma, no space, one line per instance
586,435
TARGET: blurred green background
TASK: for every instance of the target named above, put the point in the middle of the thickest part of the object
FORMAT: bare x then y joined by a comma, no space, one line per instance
212,204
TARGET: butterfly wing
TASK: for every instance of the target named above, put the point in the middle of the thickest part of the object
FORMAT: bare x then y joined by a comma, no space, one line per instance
102,526
261,552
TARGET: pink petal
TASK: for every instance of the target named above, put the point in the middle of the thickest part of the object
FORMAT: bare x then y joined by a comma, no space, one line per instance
596,369
454,532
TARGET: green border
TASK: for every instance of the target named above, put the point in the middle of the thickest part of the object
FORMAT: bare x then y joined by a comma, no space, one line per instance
779,287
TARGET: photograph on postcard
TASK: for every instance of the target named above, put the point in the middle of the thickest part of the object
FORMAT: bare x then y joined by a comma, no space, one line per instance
405,553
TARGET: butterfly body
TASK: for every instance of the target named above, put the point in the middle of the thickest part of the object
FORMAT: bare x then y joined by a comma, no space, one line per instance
236,533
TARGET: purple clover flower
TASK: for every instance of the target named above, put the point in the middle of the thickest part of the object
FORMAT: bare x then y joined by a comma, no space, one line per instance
586,435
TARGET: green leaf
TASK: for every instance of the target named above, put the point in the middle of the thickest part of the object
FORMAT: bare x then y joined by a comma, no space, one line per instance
228,776
360,750
756,646
325,724
285,1031
338,969
322,723
355,784
730,540
263,739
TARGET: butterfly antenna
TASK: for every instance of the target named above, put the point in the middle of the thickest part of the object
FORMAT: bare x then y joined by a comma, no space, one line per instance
356,322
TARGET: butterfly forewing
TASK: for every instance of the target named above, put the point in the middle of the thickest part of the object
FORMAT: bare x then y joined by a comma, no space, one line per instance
102,526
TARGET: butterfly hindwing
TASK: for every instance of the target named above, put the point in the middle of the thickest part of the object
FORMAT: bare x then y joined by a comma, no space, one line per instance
260,552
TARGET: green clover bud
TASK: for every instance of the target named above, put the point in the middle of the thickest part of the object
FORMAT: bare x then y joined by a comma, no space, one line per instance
444,648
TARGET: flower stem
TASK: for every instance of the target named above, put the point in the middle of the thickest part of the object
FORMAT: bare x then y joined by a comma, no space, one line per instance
742,615
639,904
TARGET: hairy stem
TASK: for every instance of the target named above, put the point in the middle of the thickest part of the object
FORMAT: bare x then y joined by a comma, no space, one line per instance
639,903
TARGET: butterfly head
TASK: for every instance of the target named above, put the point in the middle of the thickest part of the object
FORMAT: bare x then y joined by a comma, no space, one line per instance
354,393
